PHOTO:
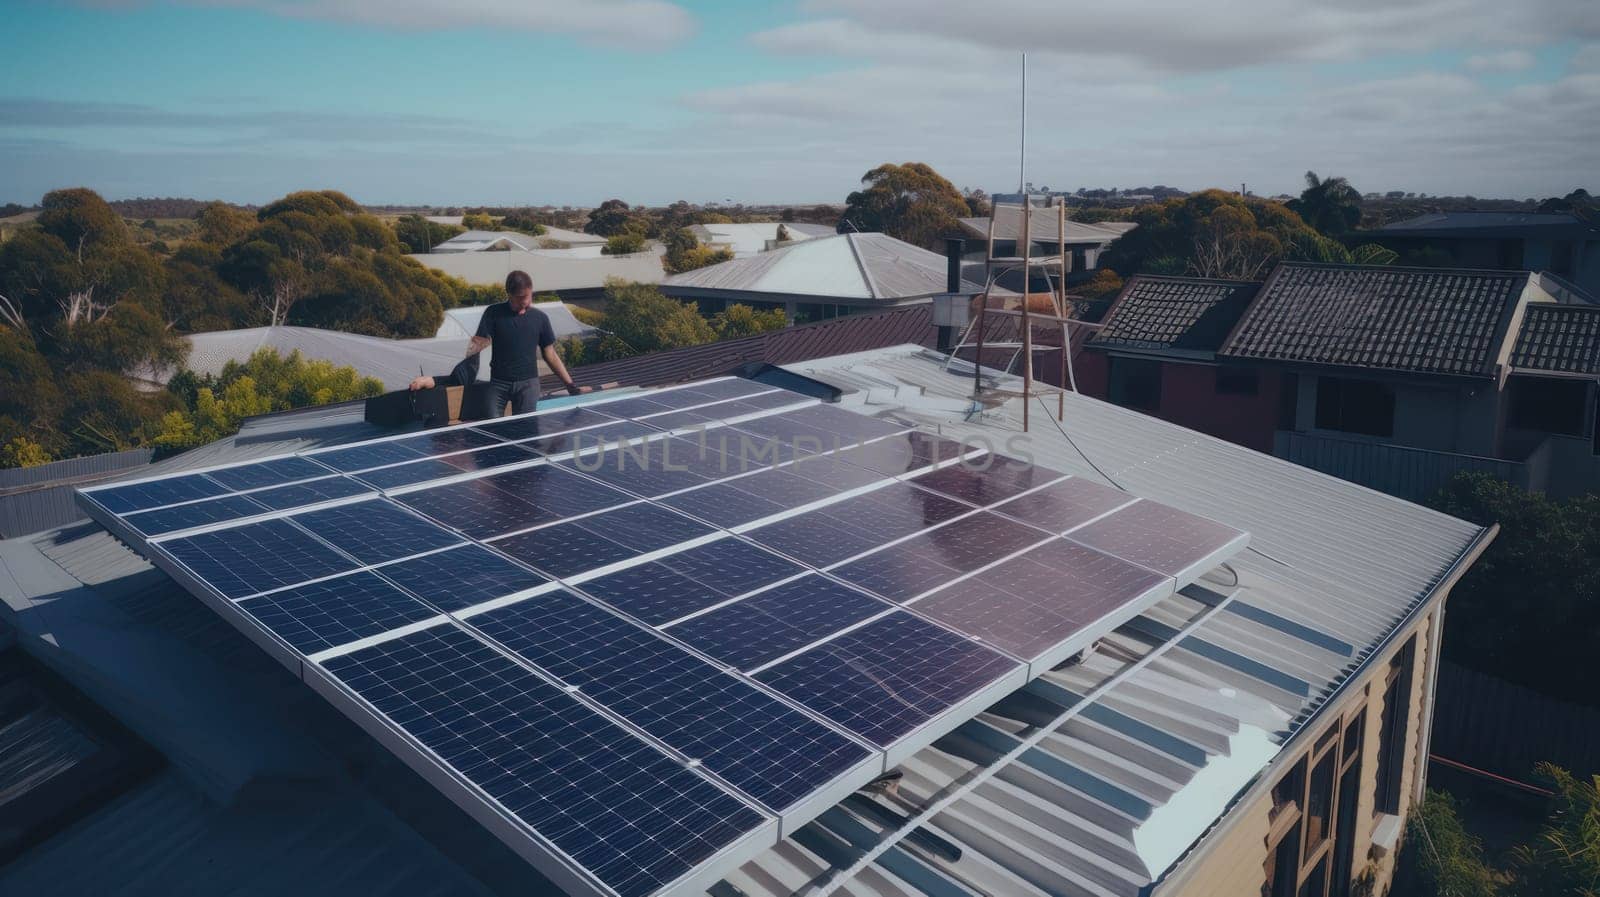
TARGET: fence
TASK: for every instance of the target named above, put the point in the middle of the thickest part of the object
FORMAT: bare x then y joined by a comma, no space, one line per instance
1409,473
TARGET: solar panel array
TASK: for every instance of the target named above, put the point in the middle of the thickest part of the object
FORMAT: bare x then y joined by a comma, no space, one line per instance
643,638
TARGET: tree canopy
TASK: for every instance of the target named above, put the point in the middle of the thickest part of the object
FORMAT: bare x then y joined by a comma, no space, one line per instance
910,202
684,252
642,319
1330,205
611,218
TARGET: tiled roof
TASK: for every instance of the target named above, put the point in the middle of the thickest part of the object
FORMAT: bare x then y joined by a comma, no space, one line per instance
839,336
1175,313
1422,320
1562,339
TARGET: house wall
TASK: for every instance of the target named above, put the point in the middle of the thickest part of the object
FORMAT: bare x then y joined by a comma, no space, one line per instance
1190,399
1232,862
1443,417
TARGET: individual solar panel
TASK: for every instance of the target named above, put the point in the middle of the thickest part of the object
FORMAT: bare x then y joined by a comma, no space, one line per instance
256,557
857,524
765,626
566,549
1161,538
331,612
157,493
732,566
974,541
461,577
768,750
885,679
653,593
487,458
408,474
368,456
545,423
634,406
375,531
987,479
1064,505
1032,605
729,389
454,439
195,514
590,439
310,492
899,572
634,818
903,453
646,469
723,504
501,503
268,473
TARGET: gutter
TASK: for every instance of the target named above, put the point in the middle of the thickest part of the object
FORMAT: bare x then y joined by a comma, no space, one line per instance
1266,778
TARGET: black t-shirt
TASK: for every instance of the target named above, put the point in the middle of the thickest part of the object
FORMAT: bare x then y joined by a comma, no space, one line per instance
516,340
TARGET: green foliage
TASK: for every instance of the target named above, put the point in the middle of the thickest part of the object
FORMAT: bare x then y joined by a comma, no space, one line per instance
1531,604
1215,233
479,221
418,234
1104,285
684,252
624,243
572,350
741,320
590,316
315,203
1565,858
1330,205
523,222
1373,254
1440,856
23,452
221,224
911,202
79,218
265,383
613,217
643,320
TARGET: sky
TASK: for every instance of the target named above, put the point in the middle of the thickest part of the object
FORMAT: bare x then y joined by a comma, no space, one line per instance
513,102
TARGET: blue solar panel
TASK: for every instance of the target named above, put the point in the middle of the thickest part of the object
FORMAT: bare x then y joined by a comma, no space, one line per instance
545,423
727,389
268,473
591,439
749,738
437,442
156,493
332,612
618,807
723,504
461,577
502,503
653,593
256,557
487,458
375,531
408,474
888,677
310,492
647,469
199,513
767,625
364,457
566,549
732,566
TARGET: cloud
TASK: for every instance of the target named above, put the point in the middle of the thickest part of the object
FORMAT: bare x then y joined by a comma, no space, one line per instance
1179,35
1503,61
623,23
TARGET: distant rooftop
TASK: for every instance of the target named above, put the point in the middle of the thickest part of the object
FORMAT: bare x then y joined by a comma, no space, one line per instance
864,266
1043,227
1484,224
1183,313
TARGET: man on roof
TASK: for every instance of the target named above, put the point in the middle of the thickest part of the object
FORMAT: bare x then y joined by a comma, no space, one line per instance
519,334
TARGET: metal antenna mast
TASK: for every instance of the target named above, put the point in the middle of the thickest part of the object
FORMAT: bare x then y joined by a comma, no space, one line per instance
1022,147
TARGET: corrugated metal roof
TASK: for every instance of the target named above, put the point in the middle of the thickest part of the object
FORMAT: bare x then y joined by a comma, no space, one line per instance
1482,224
481,240
1561,339
852,333
40,498
1189,313
1183,719
1044,227
752,237
551,273
1423,320
868,266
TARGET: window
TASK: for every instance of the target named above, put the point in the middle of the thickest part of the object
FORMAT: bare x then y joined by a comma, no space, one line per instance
1392,731
1288,401
1237,383
1311,834
1355,406
1549,405
1136,383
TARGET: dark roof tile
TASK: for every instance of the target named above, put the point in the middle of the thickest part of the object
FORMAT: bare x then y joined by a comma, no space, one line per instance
1421,320
1563,339
1175,313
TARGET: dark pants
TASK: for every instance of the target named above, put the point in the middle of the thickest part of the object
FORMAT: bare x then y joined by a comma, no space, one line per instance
522,394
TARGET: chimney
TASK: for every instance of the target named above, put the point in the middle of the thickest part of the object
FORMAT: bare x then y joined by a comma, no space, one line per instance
954,249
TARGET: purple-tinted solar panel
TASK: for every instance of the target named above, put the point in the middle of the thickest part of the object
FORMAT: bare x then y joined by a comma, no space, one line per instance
1064,505
731,566
972,542
723,504
544,423
567,549
767,625
729,389
889,677
899,573
903,453
1033,603
634,406
1157,536
844,529
590,439
501,503
986,479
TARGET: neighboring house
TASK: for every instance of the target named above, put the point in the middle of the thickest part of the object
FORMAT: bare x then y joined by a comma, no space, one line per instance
572,277
1085,242
1264,731
1560,243
820,278
511,240
394,362
1394,377
750,238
